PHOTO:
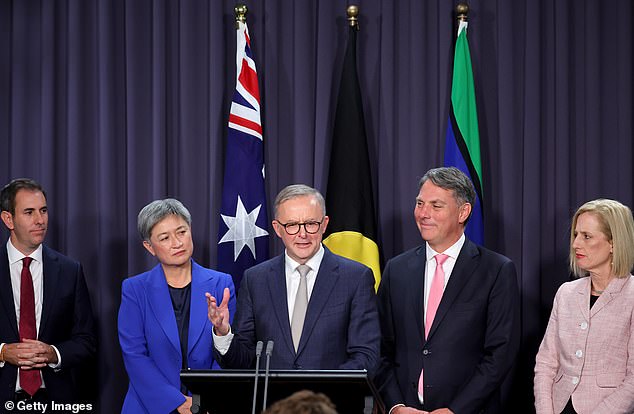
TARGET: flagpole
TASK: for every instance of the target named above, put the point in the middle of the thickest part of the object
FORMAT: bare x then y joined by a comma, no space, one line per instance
241,14
462,9
353,12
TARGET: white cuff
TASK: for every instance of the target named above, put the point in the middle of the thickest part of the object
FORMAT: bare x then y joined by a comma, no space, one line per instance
222,343
397,405
59,359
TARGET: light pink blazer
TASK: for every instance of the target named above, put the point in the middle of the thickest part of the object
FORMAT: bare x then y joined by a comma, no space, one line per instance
588,353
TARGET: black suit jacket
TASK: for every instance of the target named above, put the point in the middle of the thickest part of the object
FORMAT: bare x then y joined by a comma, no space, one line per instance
341,328
472,343
66,322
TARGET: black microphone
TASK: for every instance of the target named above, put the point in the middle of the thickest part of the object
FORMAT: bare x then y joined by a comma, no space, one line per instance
258,352
269,351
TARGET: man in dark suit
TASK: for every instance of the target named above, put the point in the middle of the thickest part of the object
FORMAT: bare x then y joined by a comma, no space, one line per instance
47,328
449,311
317,307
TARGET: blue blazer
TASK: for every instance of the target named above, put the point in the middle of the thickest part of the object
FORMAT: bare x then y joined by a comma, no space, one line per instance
341,328
473,340
66,322
149,336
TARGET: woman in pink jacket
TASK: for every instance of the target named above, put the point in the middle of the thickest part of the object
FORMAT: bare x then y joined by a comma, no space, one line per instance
585,363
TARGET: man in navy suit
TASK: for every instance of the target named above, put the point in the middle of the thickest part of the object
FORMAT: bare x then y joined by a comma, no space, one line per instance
318,308
451,357
60,334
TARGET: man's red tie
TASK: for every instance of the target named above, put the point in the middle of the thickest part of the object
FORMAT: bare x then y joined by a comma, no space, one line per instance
30,380
435,294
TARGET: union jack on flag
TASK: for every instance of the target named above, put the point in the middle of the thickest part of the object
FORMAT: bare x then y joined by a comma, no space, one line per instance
243,239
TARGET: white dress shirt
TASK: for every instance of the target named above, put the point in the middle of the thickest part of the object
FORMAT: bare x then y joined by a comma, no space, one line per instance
37,273
292,278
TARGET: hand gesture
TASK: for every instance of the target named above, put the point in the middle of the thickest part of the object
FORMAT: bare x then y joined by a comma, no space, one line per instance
219,314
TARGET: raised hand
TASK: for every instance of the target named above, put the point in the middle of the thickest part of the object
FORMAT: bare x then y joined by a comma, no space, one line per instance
219,314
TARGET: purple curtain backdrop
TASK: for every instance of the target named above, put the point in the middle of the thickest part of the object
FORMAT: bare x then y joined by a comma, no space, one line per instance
111,104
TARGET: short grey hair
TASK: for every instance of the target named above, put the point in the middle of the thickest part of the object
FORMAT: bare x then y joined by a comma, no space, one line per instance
298,190
452,179
156,211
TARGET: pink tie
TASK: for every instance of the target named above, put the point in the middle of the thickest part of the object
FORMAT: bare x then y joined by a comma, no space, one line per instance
435,294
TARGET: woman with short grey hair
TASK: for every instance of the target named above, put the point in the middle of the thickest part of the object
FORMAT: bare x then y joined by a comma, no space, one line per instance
163,324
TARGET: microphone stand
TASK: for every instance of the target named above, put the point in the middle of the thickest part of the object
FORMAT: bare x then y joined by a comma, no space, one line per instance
258,352
269,351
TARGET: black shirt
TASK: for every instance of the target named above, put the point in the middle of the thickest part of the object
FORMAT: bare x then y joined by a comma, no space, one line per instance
181,300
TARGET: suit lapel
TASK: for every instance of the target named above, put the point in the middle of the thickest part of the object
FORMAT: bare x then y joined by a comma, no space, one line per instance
611,292
198,308
51,273
161,305
277,290
6,291
324,284
417,266
583,299
466,264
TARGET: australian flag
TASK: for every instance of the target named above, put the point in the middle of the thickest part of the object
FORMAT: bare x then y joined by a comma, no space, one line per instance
243,239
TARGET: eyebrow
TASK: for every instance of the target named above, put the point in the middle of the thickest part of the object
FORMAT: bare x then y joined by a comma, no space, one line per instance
183,227
433,201
300,221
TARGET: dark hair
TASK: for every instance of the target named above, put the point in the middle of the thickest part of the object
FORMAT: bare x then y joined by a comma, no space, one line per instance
303,402
8,193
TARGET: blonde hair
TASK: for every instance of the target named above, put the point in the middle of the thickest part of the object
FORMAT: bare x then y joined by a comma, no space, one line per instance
618,226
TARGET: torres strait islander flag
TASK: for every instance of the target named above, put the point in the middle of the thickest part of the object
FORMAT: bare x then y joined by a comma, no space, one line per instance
462,146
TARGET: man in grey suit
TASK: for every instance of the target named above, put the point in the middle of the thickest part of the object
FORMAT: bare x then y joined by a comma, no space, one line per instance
318,308
449,311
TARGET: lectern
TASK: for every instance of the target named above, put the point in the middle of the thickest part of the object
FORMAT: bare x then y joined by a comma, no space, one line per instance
230,391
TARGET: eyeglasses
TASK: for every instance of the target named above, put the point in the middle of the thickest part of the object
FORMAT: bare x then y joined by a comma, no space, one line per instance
292,229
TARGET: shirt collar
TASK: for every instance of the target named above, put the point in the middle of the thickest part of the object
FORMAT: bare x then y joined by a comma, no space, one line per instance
15,255
453,251
313,262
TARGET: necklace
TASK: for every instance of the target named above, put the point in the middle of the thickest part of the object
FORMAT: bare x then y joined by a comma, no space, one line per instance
597,291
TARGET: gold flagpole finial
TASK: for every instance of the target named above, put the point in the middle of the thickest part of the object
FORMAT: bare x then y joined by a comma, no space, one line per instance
241,13
462,9
353,12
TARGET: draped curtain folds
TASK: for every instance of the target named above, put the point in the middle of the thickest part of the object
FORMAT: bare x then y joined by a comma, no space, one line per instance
111,104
